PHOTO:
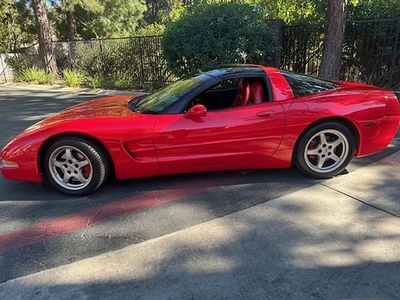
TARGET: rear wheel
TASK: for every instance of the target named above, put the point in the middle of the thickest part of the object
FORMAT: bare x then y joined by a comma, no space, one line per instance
325,150
75,166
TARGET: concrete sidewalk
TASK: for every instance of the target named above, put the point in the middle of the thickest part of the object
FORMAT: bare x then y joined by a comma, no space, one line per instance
338,239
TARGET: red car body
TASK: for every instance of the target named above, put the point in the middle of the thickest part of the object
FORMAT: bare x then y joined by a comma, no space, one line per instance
260,135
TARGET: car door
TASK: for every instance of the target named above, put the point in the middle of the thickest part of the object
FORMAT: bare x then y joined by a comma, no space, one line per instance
232,138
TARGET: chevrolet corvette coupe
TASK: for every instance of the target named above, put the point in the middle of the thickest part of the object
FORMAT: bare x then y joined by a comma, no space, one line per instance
231,117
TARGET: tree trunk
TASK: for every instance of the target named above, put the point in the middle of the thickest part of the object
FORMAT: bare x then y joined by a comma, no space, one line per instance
71,20
333,42
46,50
72,30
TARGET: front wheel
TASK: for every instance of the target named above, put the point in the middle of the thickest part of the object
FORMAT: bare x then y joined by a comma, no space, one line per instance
324,150
75,166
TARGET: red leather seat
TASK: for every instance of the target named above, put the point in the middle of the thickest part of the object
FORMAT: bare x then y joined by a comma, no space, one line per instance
243,93
256,93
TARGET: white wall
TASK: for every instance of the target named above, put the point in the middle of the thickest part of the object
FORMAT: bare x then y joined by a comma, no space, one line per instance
6,73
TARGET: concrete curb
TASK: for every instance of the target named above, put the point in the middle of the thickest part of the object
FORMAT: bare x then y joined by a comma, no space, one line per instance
65,89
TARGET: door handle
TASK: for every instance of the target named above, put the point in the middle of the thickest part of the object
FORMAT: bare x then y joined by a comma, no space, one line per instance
266,114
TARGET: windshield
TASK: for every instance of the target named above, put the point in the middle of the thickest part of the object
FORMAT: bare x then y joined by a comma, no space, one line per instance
160,100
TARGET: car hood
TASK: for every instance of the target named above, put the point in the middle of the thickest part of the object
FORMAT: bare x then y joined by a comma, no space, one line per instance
106,107
113,106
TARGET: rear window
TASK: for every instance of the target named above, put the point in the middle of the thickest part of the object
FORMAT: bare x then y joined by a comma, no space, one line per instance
302,85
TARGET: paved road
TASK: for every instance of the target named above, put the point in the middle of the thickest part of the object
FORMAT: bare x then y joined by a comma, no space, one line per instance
104,222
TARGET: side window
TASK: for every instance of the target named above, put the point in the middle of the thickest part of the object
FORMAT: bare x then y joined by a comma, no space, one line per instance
231,93
250,91
226,84
302,85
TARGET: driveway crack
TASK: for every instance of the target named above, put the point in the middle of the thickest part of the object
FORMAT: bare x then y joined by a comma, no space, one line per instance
89,221
362,201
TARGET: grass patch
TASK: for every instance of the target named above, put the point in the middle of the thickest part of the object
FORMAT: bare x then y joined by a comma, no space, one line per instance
94,81
73,78
34,74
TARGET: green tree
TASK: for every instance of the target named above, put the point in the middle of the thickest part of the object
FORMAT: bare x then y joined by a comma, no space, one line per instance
296,11
121,17
373,9
67,8
46,49
163,12
159,14
155,9
97,18
151,30
219,33
16,25
333,43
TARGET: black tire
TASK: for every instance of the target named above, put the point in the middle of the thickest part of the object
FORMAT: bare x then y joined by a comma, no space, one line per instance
324,150
75,166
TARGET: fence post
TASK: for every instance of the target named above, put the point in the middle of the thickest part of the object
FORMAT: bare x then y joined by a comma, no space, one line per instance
71,52
141,61
101,48
395,49
305,50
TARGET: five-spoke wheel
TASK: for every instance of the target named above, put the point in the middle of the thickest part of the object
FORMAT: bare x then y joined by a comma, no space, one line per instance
75,166
325,150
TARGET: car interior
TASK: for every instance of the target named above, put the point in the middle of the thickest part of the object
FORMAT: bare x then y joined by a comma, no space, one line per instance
232,93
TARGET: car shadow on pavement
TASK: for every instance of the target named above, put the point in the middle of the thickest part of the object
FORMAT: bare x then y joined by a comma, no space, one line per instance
301,247
214,195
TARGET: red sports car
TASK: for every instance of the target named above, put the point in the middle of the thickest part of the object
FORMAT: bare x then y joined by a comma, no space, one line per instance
232,117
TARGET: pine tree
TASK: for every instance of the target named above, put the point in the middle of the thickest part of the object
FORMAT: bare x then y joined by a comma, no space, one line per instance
46,50
333,42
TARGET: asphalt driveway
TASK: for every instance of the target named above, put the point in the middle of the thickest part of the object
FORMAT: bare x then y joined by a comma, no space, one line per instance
229,235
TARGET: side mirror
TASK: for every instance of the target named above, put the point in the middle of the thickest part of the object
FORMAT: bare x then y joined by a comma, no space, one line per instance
197,111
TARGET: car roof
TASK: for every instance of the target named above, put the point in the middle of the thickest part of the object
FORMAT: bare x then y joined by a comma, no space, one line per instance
231,70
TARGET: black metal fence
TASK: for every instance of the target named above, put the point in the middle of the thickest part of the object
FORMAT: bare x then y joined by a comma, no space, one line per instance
371,54
139,59
371,51
302,48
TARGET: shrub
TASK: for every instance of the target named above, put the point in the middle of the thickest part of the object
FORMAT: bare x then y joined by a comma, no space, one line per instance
219,33
73,77
45,78
19,78
88,57
94,81
137,58
32,74
108,59
151,30
19,63
123,82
